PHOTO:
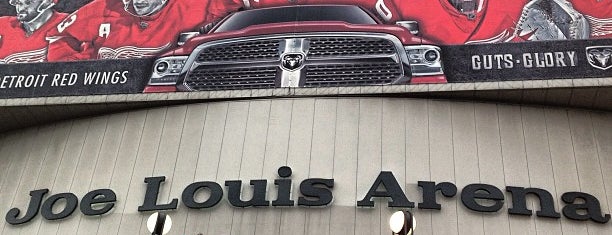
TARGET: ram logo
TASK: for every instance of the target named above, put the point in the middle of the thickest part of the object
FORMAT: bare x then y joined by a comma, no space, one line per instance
600,56
293,61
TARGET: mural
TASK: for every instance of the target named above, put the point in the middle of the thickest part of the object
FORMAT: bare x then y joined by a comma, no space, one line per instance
246,44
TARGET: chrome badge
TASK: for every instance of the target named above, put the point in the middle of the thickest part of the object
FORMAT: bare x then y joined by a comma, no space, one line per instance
600,56
292,61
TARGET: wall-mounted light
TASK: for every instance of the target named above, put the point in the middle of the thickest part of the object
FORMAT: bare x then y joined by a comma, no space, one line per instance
402,223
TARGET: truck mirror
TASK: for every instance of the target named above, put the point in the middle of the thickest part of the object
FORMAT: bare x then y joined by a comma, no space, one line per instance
183,37
206,28
413,26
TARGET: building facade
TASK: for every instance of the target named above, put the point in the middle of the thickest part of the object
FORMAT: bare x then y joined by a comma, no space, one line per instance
349,140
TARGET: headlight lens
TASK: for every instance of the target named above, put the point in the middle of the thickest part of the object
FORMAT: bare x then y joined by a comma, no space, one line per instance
425,60
432,56
162,67
166,70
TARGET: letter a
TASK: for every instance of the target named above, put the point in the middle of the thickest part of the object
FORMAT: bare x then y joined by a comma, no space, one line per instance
392,189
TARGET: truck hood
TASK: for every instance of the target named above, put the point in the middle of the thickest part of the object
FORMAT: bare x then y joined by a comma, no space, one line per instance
300,27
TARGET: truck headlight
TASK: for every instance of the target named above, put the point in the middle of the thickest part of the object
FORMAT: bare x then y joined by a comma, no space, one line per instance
425,60
166,70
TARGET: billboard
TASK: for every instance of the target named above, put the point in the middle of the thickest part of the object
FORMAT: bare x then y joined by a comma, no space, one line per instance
62,47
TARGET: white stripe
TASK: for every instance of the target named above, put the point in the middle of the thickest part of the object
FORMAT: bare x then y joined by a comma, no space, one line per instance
128,52
504,36
600,27
33,56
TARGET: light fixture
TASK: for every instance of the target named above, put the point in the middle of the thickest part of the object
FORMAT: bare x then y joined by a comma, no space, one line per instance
402,223
159,223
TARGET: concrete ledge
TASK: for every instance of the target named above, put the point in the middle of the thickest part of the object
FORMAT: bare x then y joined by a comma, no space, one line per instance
593,94
407,90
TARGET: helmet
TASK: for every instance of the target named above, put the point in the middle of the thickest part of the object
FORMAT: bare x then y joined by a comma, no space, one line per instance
43,6
551,20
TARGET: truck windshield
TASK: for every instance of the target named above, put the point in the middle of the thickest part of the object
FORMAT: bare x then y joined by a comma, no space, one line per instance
349,14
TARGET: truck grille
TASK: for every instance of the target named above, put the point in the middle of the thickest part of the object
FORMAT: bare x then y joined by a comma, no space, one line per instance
351,74
231,79
337,46
239,51
345,60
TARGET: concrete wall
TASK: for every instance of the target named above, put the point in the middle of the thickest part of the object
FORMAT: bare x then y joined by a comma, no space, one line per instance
348,139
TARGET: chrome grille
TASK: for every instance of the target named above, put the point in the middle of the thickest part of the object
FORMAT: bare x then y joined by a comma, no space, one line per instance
352,74
239,51
212,78
346,59
343,46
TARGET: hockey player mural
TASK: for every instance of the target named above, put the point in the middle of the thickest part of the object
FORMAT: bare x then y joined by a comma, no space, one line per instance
563,19
113,29
442,21
22,37
466,21
598,14
455,22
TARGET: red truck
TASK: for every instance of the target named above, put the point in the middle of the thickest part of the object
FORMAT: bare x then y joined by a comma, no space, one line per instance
298,46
